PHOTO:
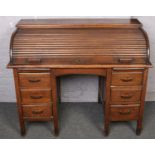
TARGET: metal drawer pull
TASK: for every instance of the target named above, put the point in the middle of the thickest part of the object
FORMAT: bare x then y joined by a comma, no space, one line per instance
126,60
34,60
125,113
126,96
127,79
37,112
34,80
36,97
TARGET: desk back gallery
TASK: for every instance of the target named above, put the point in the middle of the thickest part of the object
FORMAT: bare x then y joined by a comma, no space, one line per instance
116,50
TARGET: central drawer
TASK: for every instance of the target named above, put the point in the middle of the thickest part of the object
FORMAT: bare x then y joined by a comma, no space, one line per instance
35,96
34,80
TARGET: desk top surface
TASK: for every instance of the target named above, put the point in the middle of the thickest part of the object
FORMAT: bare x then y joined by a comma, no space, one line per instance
78,23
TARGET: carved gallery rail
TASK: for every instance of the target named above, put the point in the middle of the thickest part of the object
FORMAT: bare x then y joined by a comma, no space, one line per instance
43,50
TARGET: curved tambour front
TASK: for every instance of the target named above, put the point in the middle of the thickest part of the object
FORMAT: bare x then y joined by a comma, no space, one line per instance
79,46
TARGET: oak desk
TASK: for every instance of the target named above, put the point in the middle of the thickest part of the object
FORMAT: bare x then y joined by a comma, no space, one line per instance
116,50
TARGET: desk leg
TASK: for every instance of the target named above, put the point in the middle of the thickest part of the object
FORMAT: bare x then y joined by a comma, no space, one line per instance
107,103
139,127
59,89
54,103
21,121
142,104
20,112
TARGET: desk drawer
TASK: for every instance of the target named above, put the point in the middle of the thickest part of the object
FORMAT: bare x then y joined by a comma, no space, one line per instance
37,111
34,80
123,95
127,78
124,113
35,96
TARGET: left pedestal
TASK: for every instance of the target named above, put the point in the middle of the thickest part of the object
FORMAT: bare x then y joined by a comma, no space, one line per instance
34,96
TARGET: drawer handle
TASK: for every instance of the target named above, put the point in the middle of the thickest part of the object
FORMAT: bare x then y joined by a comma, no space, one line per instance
34,60
34,80
126,60
126,96
37,112
127,79
36,97
125,113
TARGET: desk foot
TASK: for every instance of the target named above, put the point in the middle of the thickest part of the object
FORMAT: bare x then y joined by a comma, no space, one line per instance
56,132
106,132
138,132
23,132
99,100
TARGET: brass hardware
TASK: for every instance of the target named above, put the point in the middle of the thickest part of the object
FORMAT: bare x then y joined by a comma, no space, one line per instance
125,113
127,79
36,97
34,80
34,60
37,112
125,60
126,96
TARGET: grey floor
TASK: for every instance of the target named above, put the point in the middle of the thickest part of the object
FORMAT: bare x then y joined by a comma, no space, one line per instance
77,120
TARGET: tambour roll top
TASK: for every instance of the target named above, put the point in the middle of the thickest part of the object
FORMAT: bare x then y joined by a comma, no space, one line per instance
79,41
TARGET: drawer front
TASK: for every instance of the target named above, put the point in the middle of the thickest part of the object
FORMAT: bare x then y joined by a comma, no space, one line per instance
126,78
35,96
37,111
119,95
34,80
124,113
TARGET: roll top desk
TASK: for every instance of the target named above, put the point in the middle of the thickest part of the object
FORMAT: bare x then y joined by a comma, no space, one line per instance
116,50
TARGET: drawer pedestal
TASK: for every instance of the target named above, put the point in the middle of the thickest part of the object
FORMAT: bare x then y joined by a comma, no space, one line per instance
38,92
34,96
127,93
